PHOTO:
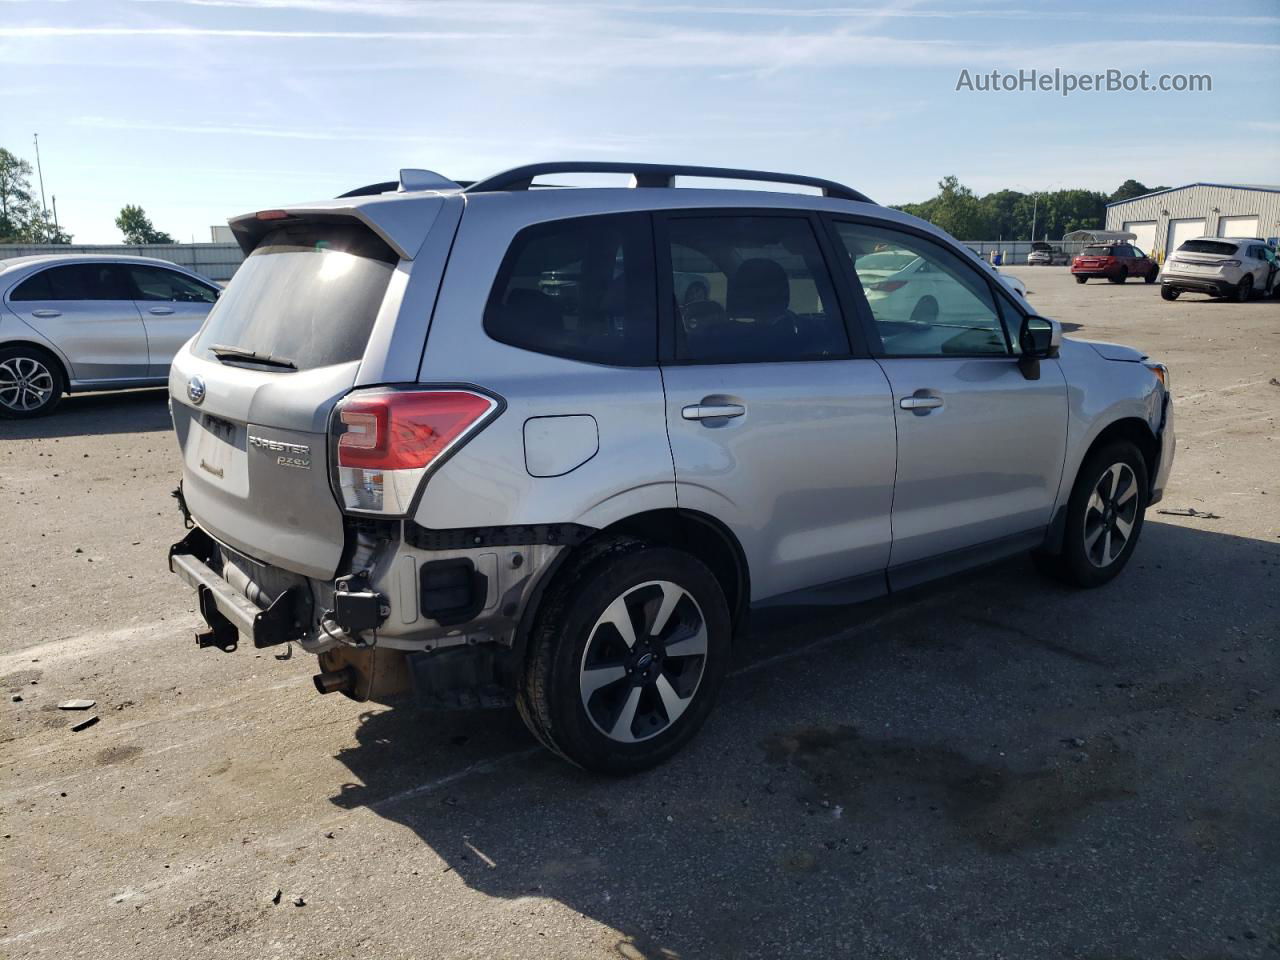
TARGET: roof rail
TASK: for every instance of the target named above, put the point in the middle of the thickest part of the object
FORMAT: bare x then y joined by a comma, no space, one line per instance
656,175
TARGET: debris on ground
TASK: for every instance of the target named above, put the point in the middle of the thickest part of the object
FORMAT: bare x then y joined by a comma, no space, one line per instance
298,901
276,898
76,704
17,698
1191,512
84,724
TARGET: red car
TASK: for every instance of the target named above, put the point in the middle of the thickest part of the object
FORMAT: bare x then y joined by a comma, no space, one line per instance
1115,261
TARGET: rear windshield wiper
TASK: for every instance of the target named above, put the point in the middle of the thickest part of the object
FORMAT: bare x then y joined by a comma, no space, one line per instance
242,353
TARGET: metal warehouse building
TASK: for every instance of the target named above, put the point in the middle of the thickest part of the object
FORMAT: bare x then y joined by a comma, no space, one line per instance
1161,221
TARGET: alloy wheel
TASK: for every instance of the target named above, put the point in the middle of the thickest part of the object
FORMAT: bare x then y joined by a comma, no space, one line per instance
1110,515
643,661
26,384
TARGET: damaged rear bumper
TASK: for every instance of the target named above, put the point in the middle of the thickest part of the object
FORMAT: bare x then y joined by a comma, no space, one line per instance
229,612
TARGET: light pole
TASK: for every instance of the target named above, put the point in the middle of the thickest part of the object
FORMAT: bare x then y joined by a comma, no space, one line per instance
44,209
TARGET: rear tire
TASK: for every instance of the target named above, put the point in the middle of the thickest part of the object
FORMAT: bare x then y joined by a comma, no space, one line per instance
1082,279
31,382
1169,293
616,707
1104,517
1244,290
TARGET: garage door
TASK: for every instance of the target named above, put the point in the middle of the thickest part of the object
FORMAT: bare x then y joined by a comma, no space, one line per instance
1144,232
1238,227
1182,230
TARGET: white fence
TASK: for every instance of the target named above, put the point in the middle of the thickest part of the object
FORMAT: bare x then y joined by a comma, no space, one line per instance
217,261
1013,252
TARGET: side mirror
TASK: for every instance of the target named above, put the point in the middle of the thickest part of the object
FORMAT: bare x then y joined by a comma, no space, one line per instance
1039,337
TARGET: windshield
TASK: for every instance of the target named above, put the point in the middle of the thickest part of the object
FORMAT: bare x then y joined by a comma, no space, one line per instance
307,294
1208,246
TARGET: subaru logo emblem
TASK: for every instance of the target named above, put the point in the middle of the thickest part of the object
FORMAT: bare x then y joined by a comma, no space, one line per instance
195,390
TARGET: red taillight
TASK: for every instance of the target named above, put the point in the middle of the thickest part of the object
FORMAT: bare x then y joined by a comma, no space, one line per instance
272,214
888,286
405,430
388,438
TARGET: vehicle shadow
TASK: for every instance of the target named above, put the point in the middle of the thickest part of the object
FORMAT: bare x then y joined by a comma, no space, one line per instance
127,411
881,780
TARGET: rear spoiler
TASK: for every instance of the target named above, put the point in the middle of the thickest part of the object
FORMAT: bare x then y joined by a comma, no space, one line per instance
402,222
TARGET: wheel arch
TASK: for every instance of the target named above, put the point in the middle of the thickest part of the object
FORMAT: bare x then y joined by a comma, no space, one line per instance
1129,428
46,350
699,534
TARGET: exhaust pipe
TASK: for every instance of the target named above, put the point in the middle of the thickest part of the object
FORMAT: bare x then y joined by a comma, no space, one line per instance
335,681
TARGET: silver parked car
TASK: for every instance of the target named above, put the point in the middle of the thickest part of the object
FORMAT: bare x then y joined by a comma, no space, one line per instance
1237,267
72,322
401,451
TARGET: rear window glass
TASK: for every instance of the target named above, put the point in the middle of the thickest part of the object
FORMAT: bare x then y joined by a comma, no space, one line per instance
1096,252
1207,246
308,293
581,289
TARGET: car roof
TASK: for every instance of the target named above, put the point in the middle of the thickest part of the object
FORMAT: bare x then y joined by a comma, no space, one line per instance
48,259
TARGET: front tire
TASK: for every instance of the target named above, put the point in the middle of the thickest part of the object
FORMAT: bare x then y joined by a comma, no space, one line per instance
1120,277
31,383
1152,274
1104,516
626,657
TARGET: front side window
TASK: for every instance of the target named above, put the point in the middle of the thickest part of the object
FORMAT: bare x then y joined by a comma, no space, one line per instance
580,289
156,283
924,299
79,281
750,289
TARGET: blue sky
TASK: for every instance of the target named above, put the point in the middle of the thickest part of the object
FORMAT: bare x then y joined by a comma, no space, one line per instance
200,109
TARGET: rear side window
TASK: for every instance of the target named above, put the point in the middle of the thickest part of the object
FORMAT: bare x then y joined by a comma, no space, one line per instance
1208,246
308,294
80,281
581,289
156,283
751,289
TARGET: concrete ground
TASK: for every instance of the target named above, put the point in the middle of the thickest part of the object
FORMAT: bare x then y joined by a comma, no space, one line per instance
997,767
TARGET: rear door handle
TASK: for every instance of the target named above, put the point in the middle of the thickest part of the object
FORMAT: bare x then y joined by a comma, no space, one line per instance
46,313
708,411
161,311
920,403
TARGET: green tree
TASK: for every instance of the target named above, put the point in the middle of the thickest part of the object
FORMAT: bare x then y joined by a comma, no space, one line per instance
16,204
1130,189
136,226
957,211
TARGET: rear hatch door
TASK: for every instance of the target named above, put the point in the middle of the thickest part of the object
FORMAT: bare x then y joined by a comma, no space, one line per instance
253,392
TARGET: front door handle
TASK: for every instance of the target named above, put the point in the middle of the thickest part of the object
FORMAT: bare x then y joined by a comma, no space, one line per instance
920,403
708,411
161,311
46,313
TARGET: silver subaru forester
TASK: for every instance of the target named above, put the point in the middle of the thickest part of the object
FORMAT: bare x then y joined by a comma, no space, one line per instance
492,444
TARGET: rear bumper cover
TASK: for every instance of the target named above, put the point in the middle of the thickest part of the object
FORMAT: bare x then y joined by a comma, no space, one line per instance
1216,287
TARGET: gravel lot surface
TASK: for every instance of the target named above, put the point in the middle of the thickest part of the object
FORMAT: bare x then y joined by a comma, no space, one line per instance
997,767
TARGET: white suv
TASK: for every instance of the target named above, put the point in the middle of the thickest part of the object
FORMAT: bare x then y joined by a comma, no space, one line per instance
1235,267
